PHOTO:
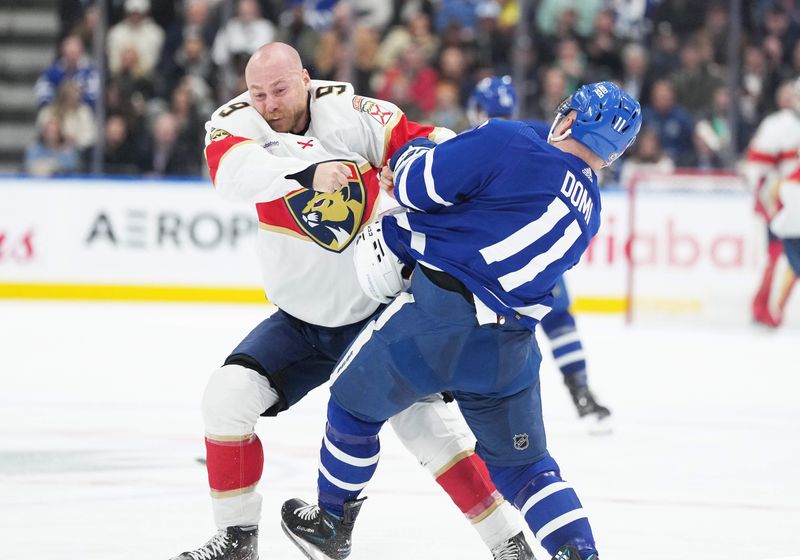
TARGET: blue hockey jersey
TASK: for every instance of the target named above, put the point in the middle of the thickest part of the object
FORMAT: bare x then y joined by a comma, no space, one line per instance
500,210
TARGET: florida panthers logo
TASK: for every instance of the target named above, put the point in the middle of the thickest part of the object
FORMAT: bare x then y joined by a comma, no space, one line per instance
331,220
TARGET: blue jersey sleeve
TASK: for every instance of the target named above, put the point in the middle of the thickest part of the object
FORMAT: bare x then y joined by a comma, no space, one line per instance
428,178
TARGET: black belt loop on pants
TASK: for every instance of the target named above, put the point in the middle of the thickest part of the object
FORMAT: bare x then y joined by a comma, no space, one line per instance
447,282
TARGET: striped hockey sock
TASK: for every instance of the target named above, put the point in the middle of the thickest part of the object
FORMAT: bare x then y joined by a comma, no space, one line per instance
549,505
348,458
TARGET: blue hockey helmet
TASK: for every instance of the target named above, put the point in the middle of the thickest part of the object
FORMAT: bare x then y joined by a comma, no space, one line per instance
607,120
492,97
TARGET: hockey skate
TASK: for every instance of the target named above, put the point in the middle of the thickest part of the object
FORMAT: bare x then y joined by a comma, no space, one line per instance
515,548
568,552
595,415
234,543
318,534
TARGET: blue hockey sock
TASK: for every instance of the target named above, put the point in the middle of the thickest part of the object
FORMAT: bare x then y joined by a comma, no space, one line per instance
347,459
568,351
549,504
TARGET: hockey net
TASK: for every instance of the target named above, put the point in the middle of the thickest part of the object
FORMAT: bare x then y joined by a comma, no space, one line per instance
694,248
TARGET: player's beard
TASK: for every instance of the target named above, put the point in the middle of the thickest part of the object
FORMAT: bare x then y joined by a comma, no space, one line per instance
289,122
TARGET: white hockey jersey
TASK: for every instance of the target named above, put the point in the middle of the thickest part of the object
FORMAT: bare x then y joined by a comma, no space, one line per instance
786,223
772,156
305,236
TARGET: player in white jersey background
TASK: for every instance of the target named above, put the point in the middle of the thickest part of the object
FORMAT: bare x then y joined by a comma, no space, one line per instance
495,97
771,157
786,223
308,154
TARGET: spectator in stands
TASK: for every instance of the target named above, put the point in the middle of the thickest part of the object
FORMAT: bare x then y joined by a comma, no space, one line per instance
696,78
635,78
417,31
51,154
455,14
449,112
85,26
664,55
295,30
758,83
136,32
647,156
191,124
166,153
778,27
195,22
191,59
236,41
672,122
74,117
554,86
370,14
73,65
572,61
366,41
492,41
549,12
120,155
410,83
453,66
712,136
716,27
603,50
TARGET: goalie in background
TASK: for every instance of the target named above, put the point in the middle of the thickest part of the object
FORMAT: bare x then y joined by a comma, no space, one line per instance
786,223
496,98
771,158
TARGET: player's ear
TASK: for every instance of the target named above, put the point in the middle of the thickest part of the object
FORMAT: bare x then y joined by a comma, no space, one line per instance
306,78
565,123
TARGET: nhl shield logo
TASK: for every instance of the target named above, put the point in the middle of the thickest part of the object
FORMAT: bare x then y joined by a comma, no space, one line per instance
520,441
331,220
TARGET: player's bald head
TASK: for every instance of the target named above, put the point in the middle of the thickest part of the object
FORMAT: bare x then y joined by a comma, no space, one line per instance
278,86
273,60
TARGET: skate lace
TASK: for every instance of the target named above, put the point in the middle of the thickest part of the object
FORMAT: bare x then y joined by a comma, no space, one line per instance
307,513
507,551
214,548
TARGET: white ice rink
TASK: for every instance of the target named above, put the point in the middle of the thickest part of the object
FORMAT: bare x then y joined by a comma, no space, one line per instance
100,429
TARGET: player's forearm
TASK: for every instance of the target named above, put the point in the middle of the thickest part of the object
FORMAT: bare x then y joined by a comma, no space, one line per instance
247,173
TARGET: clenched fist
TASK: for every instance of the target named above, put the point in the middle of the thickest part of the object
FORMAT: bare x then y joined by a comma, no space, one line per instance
386,180
330,176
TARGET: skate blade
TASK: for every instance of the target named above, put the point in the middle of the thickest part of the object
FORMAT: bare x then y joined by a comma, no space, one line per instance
305,547
598,426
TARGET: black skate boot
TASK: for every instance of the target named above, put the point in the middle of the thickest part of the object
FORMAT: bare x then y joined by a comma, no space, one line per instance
515,548
317,533
234,543
568,552
588,408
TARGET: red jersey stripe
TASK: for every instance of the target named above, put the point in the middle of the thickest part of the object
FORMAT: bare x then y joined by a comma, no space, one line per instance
217,149
402,132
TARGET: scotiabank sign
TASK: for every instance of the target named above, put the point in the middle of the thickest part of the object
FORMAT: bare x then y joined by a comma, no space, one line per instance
681,241
117,232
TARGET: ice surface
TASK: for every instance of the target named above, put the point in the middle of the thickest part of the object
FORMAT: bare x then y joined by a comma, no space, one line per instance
100,430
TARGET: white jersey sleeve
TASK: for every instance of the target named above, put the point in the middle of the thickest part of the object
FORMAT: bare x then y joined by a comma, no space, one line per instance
241,168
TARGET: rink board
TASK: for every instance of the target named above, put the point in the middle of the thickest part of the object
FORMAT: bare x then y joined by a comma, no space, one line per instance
180,241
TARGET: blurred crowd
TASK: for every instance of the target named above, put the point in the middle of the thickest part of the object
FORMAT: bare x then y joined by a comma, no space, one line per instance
170,63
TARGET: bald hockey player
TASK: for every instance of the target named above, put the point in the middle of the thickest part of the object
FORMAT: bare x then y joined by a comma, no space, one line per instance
307,154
